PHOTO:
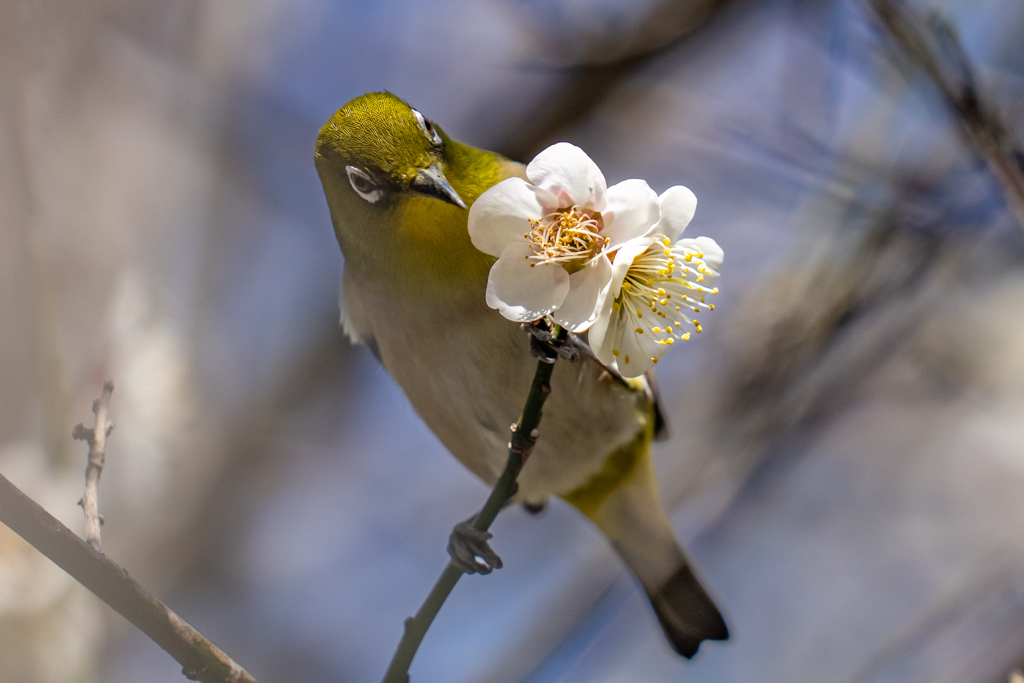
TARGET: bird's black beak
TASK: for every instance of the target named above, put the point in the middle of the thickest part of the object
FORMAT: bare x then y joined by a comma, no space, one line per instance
430,182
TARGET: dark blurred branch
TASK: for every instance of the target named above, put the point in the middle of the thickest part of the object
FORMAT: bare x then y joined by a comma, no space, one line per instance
604,67
837,323
97,440
934,47
200,659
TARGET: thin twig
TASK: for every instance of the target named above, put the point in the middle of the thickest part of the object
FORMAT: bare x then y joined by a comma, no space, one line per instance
934,47
200,659
524,436
97,440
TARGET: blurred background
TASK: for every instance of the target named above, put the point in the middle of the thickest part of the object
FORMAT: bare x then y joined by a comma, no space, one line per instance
847,460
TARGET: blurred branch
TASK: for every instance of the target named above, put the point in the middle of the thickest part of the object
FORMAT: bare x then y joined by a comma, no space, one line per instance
842,316
97,440
524,436
201,660
967,636
934,47
595,74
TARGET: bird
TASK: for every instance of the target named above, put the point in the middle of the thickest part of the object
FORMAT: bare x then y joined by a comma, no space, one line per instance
413,291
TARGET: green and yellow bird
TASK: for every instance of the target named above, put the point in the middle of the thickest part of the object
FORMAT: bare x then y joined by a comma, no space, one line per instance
414,285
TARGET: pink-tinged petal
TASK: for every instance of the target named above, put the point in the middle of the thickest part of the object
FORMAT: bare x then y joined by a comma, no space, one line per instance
631,211
587,290
566,171
522,290
500,215
678,204
599,331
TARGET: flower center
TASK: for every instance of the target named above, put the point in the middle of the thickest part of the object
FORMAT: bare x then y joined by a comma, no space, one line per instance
661,287
569,237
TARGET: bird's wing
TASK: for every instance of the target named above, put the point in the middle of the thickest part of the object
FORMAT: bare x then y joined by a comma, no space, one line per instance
353,319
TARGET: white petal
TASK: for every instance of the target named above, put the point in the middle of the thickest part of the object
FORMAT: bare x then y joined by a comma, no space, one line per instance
587,291
624,258
713,254
566,171
631,211
631,357
640,350
600,329
522,290
499,216
600,339
678,204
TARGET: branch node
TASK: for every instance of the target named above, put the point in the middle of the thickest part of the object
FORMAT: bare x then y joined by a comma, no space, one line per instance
547,345
82,433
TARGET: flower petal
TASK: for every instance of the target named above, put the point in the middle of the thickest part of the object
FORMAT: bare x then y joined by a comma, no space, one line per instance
623,260
499,216
523,290
631,211
678,204
587,290
637,352
566,171
713,254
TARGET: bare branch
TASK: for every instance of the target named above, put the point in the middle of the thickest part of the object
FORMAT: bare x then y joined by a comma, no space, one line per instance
200,659
524,436
97,440
934,47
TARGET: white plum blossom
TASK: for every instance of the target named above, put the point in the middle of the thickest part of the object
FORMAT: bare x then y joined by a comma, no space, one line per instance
553,236
658,282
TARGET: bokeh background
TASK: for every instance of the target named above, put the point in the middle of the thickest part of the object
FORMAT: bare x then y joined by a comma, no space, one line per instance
847,460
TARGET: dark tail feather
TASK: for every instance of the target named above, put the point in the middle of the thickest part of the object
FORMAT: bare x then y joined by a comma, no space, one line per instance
687,613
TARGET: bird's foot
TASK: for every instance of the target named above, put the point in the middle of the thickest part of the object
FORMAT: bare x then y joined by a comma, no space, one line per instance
470,551
546,347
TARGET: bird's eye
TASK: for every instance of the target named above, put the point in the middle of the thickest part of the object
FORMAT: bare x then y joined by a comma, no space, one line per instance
365,186
427,127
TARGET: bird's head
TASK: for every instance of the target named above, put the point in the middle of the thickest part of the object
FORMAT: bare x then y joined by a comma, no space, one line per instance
398,189
383,150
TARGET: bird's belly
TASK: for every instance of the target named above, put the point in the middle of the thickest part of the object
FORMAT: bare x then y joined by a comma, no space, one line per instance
469,377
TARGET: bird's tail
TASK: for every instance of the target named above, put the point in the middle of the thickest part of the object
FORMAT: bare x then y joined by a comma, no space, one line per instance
629,513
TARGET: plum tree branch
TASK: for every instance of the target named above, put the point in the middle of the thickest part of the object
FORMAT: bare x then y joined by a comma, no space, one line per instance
96,437
524,436
200,659
933,46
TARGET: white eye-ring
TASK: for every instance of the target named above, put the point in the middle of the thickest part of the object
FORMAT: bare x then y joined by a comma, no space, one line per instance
427,127
365,186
